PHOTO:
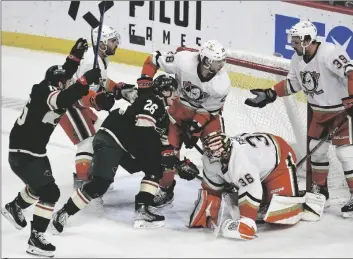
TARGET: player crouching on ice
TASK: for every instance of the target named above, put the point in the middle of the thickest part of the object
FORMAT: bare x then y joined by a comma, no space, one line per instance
262,168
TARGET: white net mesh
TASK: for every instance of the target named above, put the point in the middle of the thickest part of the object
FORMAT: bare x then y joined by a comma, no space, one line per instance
286,117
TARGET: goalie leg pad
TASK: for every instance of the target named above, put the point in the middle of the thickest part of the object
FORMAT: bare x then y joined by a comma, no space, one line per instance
313,206
284,210
244,228
206,205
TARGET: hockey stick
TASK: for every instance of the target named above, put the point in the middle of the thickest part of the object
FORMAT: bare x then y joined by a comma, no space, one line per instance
198,149
301,162
102,11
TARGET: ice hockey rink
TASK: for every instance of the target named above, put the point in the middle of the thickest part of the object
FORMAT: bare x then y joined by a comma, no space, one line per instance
108,231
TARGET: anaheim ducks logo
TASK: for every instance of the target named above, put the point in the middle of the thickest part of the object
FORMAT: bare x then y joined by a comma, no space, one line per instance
193,94
310,82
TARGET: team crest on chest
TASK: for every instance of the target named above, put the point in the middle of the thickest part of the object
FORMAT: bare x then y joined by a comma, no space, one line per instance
310,82
193,93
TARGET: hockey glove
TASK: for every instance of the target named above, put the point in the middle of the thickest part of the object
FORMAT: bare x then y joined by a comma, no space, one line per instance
90,77
186,169
126,91
77,51
263,97
103,101
144,81
169,159
348,105
191,132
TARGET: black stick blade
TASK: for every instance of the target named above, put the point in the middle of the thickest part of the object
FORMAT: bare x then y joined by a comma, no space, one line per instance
73,9
108,5
91,20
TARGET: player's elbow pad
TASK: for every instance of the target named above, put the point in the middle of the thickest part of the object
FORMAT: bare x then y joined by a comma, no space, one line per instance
71,95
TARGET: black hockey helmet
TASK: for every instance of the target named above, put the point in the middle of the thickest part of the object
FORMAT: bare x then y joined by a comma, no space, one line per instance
56,74
164,83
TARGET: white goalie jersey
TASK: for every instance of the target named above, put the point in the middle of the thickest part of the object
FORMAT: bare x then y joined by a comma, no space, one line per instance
194,93
323,78
253,158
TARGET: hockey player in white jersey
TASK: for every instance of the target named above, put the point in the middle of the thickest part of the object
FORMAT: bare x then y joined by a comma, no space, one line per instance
203,85
324,72
80,121
262,168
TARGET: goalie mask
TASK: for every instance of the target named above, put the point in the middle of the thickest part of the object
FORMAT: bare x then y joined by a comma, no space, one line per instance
213,56
217,146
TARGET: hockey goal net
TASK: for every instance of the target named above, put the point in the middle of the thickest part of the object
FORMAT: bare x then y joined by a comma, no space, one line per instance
286,117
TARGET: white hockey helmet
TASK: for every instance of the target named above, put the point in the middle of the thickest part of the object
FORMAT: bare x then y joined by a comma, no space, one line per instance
302,29
213,56
107,34
213,50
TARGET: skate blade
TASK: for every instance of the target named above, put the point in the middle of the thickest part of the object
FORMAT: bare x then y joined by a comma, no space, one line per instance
139,224
347,215
9,217
39,252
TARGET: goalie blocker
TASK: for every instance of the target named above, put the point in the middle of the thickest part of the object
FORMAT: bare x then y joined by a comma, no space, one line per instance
262,168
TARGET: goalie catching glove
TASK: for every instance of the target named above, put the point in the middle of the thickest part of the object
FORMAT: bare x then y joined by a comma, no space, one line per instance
263,97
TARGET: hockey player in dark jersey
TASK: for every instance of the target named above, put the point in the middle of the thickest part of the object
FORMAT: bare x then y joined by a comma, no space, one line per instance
135,133
28,140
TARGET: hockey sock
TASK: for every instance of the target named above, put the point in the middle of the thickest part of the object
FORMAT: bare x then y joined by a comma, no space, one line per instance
77,202
349,178
319,172
25,198
42,215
